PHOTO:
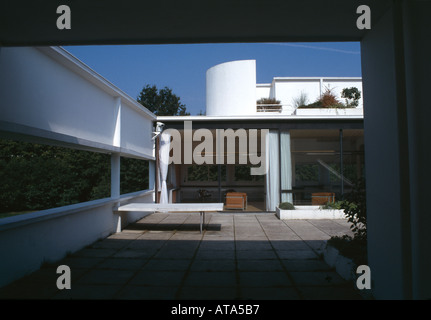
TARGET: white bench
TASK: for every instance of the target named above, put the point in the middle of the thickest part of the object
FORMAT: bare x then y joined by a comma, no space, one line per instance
200,208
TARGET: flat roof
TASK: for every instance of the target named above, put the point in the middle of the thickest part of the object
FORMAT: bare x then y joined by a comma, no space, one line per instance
265,117
265,121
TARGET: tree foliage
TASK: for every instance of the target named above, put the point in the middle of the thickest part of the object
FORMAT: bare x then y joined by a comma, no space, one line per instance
352,96
162,102
37,177
329,100
134,175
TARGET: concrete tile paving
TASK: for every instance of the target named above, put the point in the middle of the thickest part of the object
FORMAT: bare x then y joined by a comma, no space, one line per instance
165,257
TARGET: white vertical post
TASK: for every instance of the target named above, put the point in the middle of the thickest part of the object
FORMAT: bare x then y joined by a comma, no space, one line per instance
188,142
115,160
115,183
152,176
115,176
117,133
320,86
285,166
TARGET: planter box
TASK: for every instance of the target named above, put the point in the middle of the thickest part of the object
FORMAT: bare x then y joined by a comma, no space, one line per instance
321,198
345,267
309,212
329,112
236,200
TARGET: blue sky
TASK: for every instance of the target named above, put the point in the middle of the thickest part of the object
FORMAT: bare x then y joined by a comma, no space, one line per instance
183,67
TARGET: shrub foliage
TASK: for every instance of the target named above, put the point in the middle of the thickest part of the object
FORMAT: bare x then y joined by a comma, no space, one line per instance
286,206
36,177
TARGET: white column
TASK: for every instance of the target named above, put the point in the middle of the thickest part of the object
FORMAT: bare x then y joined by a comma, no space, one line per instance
115,183
117,133
152,177
115,160
285,166
115,176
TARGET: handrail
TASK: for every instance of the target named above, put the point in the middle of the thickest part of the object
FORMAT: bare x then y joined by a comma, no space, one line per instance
263,107
276,107
52,213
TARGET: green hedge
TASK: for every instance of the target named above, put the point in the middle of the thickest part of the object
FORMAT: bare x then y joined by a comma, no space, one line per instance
36,177
286,206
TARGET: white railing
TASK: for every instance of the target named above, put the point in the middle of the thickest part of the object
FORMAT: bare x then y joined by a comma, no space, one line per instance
276,108
291,110
269,108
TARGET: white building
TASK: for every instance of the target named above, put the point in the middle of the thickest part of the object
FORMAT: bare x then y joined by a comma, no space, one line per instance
395,64
301,153
232,90
395,72
308,151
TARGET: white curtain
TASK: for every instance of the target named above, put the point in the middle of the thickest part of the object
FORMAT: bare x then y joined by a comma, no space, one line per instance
286,166
272,171
164,148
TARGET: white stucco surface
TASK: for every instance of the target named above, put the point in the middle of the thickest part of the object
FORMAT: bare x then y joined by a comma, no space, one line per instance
231,88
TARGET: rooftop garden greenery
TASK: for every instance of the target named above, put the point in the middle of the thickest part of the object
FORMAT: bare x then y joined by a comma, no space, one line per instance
268,104
329,100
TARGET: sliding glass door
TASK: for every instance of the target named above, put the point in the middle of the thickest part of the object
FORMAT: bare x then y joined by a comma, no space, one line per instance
325,164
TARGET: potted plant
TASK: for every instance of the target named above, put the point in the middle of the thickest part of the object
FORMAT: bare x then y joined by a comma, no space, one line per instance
268,105
282,210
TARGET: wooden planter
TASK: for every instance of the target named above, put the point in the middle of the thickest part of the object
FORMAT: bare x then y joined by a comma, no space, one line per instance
321,198
236,200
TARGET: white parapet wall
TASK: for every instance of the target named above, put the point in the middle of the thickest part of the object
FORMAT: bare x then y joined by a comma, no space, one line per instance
329,112
50,97
287,89
309,212
29,240
67,102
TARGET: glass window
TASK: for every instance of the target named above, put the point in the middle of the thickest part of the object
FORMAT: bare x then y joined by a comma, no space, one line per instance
306,173
242,173
205,173
318,165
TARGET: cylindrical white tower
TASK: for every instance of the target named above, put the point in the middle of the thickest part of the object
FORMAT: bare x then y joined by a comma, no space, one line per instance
231,89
